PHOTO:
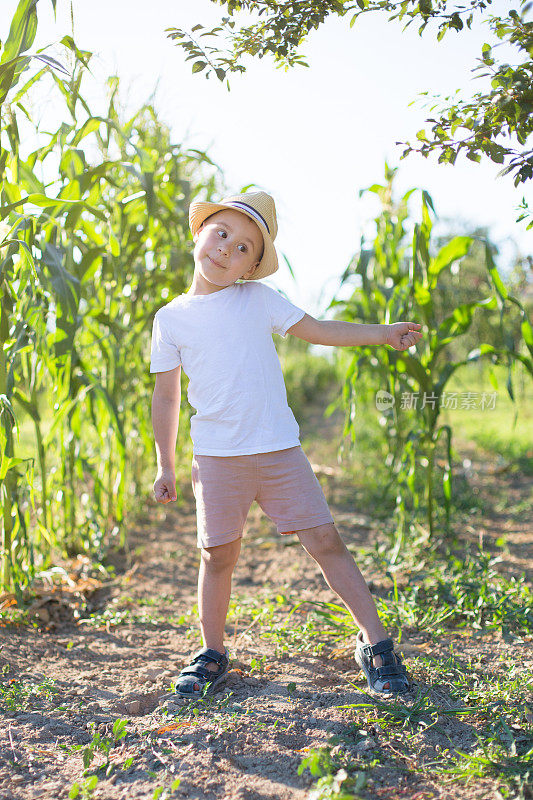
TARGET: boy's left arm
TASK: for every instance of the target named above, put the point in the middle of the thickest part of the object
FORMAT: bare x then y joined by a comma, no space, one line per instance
400,335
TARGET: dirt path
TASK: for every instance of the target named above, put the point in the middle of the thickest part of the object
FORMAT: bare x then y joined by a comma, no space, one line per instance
279,702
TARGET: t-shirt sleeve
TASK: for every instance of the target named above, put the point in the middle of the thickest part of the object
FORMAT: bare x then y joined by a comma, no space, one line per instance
283,313
164,354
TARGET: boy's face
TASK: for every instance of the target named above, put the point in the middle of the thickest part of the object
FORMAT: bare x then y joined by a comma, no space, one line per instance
228,246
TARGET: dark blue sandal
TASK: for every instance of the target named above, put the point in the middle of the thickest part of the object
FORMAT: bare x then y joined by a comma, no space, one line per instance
196,680
391,674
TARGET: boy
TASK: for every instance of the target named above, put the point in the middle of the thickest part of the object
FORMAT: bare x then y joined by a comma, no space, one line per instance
245,436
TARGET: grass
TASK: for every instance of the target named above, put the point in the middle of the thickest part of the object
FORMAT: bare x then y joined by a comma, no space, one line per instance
484,718
20,695
272,620
470,720
465,724
121,610
102,746
492,707
507,430
495,432
461,592
388,736
449,591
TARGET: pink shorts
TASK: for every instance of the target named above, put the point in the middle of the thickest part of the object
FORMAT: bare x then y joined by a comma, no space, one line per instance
282,482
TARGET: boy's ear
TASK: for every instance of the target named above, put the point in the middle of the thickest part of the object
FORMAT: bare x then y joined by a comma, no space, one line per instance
252,269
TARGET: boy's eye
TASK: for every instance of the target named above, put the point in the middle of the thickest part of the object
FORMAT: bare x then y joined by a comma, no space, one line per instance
224,233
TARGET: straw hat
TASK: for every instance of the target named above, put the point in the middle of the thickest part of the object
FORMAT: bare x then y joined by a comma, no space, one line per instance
260,207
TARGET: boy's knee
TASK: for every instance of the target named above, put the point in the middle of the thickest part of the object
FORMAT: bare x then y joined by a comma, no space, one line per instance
324,540
222,556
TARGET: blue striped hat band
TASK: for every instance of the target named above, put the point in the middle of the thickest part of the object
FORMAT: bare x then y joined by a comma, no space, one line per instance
259,217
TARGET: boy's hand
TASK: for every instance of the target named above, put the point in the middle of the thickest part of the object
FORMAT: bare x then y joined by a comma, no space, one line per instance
165,486
402,335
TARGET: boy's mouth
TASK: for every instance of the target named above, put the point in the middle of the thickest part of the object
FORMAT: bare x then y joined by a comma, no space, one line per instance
215,263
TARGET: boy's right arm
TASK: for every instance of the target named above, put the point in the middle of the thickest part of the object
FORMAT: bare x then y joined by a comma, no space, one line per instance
165,420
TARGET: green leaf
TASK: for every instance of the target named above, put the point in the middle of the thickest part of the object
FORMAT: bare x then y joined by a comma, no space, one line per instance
21,35
119,727
51,202
22,30
114,245
422,294
407,364
428,201
491,266
458,322
453,250
198,66
88,127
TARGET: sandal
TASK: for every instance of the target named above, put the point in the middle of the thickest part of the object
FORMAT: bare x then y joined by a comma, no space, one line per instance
391,671
196,680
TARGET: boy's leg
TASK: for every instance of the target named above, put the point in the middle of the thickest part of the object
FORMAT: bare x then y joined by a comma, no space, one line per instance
214,590
342,575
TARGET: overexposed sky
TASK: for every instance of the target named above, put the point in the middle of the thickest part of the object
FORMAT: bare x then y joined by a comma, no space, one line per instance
311,137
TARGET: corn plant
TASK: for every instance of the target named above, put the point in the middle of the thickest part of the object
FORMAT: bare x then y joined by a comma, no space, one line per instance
87,254
398,281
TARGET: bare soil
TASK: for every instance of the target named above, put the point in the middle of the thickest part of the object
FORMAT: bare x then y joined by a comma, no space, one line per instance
249,742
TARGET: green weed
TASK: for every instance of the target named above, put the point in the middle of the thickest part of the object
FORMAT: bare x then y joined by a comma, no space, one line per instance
212,707
121,611
319,762
257,665
398,713
461,591
154,600
18,695
330,787
164,792
113,616
467,680
509,761
102,745
85,789
271,618
333,778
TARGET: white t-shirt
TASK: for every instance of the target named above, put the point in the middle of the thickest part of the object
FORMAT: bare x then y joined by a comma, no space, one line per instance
224,342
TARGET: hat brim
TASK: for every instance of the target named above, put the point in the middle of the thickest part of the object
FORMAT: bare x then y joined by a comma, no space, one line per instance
198,213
